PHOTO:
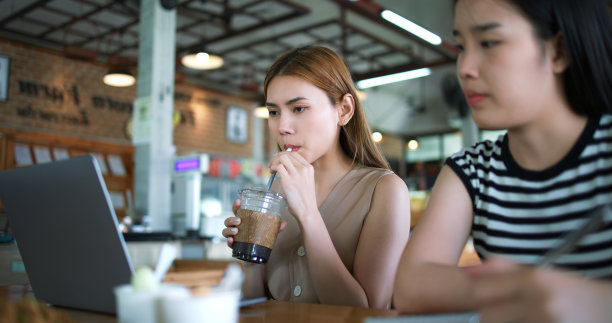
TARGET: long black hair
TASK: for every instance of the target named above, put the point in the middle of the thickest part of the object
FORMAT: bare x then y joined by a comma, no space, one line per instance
585,30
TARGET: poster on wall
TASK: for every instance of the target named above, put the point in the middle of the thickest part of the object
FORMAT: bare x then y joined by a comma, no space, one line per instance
23,156
141,121
42,154
60,154
5,64
237,125
116,165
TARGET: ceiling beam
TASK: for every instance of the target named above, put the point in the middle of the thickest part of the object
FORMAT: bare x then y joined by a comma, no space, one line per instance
278,37
406,51
297,11
371,10
74,20
240,32
22,12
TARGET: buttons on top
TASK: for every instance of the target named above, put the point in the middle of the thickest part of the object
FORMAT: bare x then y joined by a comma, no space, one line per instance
297,291
301,252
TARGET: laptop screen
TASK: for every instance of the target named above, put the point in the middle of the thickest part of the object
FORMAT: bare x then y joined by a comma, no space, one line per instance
66,231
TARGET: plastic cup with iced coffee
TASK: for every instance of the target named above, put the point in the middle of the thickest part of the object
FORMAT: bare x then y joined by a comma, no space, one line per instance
260,219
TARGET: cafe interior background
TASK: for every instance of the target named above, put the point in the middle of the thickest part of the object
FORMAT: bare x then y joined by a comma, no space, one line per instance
175,143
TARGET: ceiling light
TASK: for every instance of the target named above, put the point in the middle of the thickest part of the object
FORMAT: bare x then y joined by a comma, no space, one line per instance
391,78
262,112
119,78
377,136
202,61
412,145
411,27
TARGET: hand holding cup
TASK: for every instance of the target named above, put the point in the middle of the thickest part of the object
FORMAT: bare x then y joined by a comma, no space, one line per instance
233,222
252,233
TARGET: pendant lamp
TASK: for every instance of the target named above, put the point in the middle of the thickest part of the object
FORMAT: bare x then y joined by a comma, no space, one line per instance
119,78
201,59
119,72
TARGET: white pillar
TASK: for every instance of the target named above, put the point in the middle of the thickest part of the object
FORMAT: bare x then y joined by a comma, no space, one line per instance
156,57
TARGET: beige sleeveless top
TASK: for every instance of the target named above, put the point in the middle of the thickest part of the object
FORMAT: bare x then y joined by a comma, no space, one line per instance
344,212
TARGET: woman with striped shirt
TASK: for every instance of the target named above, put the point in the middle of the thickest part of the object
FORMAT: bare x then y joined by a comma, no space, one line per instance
542,70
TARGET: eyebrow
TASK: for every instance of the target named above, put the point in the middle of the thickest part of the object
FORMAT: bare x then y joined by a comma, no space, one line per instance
271,104
479,28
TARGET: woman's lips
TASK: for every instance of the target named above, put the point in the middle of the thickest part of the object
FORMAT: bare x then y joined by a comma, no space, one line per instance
293,148
474,98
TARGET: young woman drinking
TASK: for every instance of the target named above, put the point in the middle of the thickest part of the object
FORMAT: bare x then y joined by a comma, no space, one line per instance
348,220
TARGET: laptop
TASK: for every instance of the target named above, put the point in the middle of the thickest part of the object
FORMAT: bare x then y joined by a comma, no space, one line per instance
66,231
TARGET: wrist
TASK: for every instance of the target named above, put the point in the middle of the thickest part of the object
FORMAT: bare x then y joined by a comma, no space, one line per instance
310,219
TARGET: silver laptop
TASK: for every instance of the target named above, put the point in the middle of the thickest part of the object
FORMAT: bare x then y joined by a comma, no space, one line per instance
66,231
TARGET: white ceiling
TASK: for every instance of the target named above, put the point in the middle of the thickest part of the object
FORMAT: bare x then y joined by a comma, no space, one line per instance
250,34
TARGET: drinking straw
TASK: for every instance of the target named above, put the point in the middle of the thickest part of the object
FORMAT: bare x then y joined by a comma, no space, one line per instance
166,257
272,177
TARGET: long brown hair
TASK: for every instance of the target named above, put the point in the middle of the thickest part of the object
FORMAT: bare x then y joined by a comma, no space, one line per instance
323,68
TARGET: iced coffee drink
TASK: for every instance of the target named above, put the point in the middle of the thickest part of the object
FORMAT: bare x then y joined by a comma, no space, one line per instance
260,219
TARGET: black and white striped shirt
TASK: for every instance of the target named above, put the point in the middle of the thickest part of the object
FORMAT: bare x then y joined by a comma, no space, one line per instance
520,214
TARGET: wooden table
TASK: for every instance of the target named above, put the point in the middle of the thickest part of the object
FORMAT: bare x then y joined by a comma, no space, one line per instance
276,311
267,312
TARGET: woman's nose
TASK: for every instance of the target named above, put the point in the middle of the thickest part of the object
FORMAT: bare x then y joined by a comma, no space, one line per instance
467,65
285,125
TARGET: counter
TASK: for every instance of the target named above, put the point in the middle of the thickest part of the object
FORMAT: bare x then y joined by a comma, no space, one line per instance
141,253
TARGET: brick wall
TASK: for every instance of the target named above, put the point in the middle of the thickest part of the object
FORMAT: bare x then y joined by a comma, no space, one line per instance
203,122
53,94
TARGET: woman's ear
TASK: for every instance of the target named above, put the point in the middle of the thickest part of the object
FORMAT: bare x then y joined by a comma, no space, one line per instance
561,59
346,108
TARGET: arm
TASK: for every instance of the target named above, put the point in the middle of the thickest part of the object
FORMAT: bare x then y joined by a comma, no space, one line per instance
428,279
526,294
253,285
382,238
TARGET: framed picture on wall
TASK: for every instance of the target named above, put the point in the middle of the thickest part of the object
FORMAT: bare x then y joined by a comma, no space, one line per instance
237,125
5,65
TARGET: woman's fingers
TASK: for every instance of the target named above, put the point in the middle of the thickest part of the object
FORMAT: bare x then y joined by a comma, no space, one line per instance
292,164
286,158
297,181
236,206
232,221
229,232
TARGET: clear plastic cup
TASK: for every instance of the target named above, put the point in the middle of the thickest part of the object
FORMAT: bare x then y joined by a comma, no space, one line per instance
260,214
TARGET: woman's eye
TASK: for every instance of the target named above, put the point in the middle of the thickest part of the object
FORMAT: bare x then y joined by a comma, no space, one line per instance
299,109
488,44
272,112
